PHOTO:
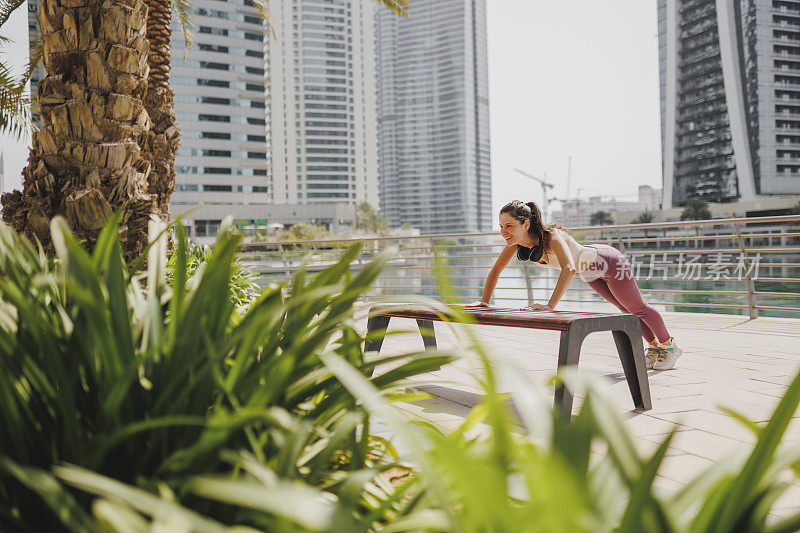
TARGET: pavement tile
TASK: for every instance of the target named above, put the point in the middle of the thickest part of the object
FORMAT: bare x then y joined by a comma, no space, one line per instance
788,501
642,425
711,422
684,467
702,443
665,486
729,361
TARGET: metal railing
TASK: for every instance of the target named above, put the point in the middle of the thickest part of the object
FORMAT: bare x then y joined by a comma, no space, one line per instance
748,265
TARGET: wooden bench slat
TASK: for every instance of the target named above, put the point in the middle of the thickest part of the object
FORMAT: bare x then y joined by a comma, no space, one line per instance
500,316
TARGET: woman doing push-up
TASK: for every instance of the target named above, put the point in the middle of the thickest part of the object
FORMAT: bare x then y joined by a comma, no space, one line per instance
603,267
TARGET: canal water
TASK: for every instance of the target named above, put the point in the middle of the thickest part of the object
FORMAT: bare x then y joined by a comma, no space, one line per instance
697,283
712,288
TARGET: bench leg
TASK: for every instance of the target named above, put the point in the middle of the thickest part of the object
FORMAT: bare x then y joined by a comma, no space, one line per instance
631,355
569,351
428,333
376,323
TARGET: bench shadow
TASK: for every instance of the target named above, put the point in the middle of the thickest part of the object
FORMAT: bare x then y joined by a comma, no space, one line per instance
460,397
468,400
461,402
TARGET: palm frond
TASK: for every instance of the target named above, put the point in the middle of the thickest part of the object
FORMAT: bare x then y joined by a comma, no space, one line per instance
15,106
17,109
183,8
398,7
263,12
6,8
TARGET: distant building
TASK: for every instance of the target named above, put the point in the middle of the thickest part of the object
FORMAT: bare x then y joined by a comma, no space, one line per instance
762,207
730,99
336,218
322,102
220,103
433,109
265,121
649,198
33,37
578,212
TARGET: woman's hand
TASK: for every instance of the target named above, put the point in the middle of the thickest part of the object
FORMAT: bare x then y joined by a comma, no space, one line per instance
537,307
475,305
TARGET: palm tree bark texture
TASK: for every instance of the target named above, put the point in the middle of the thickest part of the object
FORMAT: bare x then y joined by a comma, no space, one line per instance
160,144
86,161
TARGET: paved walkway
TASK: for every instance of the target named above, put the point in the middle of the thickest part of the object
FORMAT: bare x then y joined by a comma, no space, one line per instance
728,361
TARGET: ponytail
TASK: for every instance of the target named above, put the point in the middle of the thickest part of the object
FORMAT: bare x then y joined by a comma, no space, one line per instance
537,225
530,211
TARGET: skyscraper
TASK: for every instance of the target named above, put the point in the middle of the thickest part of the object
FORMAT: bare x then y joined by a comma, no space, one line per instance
322,113
433,111
220,102
730,99
33,37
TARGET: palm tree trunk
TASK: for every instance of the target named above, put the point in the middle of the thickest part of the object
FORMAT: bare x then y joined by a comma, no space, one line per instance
86,161
160,145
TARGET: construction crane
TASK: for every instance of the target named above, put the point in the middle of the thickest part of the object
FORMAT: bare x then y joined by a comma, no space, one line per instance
545,186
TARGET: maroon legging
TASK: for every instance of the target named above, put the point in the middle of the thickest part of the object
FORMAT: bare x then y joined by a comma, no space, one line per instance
618,287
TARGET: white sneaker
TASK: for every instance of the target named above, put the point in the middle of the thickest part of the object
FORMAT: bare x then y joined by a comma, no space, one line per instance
651,354
668,355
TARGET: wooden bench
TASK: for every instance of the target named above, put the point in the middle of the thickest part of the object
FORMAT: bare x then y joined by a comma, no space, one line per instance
573,325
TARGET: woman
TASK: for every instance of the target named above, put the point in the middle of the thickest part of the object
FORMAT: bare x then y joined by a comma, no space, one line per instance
603,267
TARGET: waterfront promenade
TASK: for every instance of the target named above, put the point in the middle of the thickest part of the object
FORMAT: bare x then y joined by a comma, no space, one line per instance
729,361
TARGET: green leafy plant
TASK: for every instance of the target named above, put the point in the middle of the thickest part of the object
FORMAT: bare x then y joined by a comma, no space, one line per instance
526,469
644,218
116,372
696,209
600,218
370,219
243,287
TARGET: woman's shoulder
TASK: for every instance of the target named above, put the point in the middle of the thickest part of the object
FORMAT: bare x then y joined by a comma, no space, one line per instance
558,234
562,234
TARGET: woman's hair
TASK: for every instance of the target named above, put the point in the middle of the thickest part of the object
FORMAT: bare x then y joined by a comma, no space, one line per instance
530,211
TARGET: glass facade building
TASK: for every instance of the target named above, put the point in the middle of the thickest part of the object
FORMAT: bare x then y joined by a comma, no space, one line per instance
730,92
33,37
433,113
322,97
220,103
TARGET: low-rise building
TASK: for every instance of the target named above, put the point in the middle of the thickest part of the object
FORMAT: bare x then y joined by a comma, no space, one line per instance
578,212
761,207
204,221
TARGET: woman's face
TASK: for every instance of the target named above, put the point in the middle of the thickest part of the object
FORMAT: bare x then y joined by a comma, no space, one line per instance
514,231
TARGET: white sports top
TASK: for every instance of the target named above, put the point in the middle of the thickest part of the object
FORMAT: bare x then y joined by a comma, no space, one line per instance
582,256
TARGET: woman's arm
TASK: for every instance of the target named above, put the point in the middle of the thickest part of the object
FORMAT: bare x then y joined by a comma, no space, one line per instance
560,247
494,274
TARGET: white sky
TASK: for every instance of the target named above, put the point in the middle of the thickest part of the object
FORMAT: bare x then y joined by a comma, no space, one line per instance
579,78
15,153
566,77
